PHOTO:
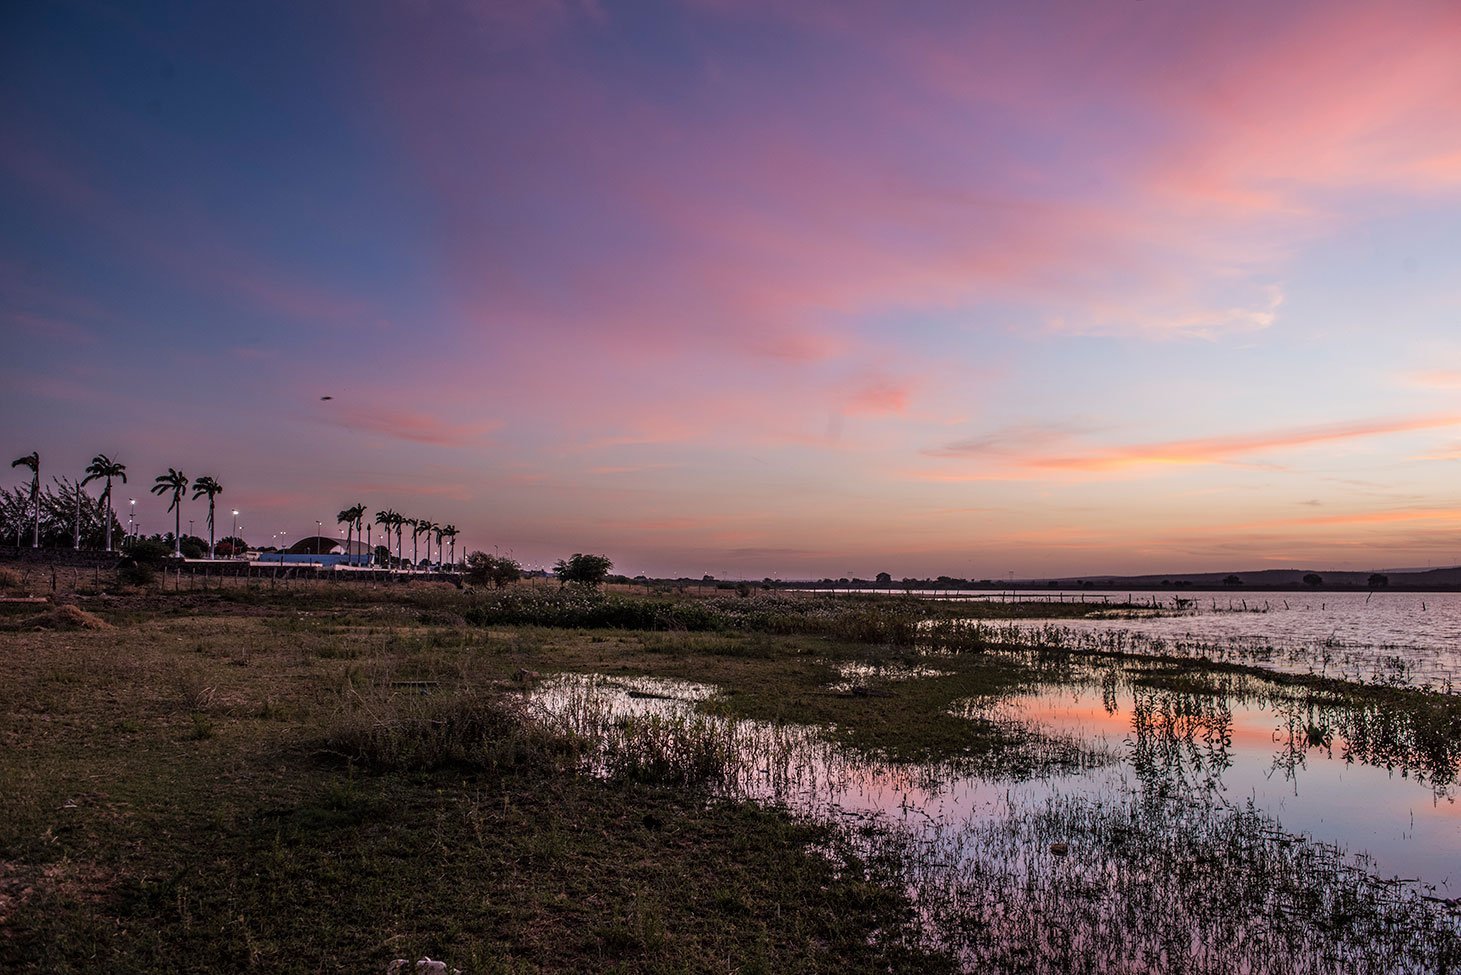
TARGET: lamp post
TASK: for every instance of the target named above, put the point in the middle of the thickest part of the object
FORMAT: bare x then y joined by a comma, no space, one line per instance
319,534
235,533
132,518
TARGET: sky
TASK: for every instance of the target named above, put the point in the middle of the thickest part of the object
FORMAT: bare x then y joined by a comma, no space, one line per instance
744,288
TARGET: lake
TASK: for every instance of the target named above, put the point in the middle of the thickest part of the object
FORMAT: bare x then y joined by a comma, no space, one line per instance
1235,825
1390,637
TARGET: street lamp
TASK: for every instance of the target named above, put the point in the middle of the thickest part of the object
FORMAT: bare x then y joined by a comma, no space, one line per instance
132,517
319,534
235,533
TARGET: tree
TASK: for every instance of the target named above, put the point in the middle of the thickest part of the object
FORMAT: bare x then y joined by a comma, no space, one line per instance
207,484
351,518
66,512
1379,581
1232,581
32,460
103,466
1313,579
14,511
588,571
884,579
426,527
415,524
176,482
359,524
451,532
387,520
497,570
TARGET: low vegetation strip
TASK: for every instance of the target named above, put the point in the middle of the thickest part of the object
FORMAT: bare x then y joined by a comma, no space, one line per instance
326,778
895,621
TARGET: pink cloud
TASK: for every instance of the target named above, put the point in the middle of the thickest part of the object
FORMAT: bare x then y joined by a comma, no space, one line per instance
411,425
178,237
1197,451
1434,379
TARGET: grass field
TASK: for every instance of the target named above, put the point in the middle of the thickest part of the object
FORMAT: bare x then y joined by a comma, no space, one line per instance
322,778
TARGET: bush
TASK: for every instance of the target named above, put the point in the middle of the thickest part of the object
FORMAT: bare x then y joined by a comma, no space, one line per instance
10,580
484,569
406,731
588,571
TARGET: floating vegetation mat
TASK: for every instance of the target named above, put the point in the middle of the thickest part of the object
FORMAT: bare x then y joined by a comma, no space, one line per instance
1100,865
856,674
1422,667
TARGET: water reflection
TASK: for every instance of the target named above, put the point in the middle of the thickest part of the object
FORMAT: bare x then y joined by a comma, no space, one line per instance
1391,637
1190,855
1367,777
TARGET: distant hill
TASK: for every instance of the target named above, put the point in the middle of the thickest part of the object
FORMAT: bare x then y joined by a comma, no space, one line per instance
1268,579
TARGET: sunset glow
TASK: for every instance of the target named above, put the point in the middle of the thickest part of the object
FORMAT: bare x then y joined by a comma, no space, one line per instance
754,289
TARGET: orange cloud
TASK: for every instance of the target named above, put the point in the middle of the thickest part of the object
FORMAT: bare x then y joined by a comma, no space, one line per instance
879,395
1209,450
1381,517
410,425
1435,379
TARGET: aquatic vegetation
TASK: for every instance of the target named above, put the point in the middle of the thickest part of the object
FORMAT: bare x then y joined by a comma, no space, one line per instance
1108,871
1159,883
403,729
854,674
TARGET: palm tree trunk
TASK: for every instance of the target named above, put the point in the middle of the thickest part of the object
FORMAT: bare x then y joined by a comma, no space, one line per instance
177,533
210,529
76,530
109,514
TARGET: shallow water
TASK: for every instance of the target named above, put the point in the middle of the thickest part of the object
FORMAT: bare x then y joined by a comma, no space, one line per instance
1401,637
1312,805
1298,765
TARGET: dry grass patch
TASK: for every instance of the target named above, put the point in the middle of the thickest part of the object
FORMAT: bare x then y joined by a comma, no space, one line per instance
61,618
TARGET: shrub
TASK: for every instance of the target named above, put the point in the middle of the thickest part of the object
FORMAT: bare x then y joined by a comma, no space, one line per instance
10,580
408,731
484,569
588,571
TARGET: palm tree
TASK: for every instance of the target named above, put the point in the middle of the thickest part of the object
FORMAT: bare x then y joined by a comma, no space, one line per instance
32,460
104,466
436,529
208,485
450,531
427,527
416,529
387,520
400,522
347,518
174,481
359,512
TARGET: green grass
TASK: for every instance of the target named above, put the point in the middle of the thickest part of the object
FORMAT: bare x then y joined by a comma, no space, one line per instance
323,777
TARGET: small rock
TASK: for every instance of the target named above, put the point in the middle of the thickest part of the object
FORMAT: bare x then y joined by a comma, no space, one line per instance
1060,849
423,967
